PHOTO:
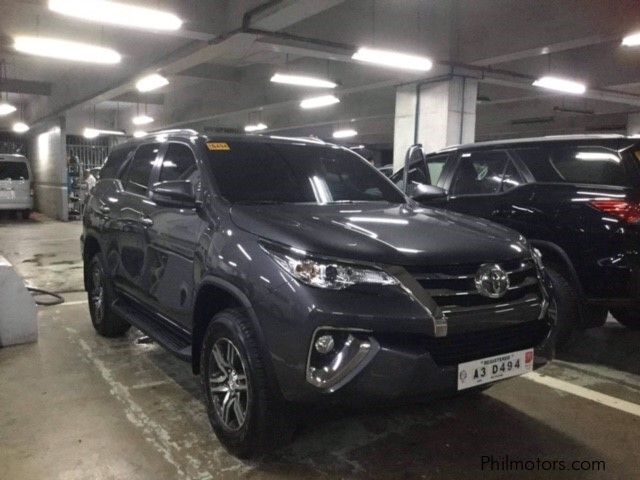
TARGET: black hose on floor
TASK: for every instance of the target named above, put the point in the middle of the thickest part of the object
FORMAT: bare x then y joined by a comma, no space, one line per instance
37,292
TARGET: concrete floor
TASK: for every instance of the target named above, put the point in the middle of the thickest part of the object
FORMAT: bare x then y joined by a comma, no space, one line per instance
78,406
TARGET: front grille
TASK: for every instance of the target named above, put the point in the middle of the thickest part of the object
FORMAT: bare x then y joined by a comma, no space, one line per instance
464,347
453,287
479,326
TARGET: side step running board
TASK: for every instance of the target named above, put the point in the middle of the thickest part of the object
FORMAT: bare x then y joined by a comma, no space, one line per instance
169,337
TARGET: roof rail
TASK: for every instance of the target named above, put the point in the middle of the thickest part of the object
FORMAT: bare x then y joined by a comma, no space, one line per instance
170,131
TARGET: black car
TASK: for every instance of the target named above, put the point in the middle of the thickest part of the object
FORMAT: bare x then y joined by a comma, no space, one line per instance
290,271
575,198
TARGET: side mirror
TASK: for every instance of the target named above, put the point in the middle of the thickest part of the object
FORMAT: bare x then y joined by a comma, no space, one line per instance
174,193
424,193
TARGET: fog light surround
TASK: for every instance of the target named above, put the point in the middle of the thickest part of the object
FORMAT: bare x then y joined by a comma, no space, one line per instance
337,355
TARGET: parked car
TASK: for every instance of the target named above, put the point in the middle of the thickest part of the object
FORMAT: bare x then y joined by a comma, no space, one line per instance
16,191
575,198
292,271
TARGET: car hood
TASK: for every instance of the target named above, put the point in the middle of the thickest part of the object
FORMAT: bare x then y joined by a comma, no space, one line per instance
388,234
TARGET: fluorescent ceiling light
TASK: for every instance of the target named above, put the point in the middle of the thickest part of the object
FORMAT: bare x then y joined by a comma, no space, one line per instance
66,50
116,13
391,59
561,85
95,132
632,40
20,127
255,128
322,101
302,81
151,82
142,120
345,133
6,109
139,133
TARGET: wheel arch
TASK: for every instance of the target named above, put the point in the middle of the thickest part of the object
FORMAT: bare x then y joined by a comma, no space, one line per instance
215,295
554,254
90,247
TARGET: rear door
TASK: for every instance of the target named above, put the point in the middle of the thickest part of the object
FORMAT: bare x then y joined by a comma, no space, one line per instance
173,238
484,183
133,220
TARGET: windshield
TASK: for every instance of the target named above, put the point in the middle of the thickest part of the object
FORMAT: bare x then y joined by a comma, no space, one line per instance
296,173
13,171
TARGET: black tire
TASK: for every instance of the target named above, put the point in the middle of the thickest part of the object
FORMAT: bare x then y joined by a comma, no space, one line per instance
100,296
629,317
263,426
565,299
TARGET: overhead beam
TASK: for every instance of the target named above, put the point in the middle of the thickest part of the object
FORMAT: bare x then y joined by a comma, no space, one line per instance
544,50
134,97
27,87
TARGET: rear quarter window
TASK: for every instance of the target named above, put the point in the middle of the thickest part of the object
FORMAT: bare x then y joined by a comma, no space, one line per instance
579,164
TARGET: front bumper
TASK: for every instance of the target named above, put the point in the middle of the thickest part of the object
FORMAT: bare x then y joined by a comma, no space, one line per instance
401,357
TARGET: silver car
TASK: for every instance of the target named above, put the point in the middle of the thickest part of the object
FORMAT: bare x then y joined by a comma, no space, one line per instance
16,193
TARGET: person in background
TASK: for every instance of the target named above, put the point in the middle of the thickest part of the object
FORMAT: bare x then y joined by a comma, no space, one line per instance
88,182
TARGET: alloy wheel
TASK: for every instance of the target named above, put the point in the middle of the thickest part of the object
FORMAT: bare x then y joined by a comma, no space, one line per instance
228,384
97,294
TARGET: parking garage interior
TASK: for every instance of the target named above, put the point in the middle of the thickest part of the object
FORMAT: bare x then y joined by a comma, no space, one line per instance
75,405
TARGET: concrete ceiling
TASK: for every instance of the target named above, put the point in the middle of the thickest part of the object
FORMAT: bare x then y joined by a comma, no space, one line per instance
220,72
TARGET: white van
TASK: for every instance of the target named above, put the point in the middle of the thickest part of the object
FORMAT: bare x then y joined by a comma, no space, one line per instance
16,193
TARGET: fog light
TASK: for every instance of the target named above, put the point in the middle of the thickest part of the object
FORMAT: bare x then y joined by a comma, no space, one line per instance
324,344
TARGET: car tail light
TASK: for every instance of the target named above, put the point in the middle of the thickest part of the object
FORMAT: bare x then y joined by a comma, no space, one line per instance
628,212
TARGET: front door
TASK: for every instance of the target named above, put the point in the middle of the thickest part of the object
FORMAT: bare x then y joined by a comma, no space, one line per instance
173,241
132,222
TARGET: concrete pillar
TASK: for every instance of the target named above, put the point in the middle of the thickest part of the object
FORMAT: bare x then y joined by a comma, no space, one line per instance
633,124
446,111
49,165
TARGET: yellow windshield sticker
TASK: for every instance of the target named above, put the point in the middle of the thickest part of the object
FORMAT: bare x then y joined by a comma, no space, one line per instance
218,146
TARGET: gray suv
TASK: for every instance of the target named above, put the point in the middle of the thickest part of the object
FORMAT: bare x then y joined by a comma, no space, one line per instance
290,271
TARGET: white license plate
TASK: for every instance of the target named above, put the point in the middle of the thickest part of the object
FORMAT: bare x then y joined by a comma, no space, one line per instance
7,195
487,370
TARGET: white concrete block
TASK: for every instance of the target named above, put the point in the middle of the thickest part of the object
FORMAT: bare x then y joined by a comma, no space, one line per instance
18,313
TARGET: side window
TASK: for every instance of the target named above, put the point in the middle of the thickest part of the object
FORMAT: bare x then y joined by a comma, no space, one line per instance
136,180
435,165
178,164
581,164
114,162
511,178
480,173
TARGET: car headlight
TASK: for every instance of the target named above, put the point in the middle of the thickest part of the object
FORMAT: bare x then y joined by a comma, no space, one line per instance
323,273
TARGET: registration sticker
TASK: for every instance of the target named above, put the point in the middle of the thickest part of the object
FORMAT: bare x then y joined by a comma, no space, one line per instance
218,146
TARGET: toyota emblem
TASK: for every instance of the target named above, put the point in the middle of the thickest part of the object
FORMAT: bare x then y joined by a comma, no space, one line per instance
492,281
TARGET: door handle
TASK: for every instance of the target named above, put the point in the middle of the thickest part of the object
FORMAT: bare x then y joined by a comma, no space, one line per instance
146,221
